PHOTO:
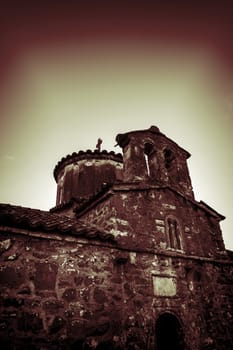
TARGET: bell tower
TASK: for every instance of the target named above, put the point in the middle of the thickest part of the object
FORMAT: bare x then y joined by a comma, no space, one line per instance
151,157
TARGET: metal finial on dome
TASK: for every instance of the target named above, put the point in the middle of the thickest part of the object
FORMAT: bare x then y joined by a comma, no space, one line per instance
98,145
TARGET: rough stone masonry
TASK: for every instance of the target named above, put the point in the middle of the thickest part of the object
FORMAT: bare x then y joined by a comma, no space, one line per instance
127,259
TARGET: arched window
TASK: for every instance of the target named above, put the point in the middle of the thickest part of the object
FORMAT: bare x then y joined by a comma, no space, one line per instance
173,233
168,158
148,148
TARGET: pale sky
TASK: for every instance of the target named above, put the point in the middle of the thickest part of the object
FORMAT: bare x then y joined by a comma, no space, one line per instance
72,80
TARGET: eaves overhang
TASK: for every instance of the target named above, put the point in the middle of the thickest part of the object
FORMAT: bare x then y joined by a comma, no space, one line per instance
34,220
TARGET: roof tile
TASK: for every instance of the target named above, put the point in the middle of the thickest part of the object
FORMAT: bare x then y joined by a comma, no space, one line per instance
35,219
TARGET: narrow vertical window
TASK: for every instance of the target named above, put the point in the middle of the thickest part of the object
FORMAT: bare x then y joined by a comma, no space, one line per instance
168,158
59,194
147,165
173,234
147,151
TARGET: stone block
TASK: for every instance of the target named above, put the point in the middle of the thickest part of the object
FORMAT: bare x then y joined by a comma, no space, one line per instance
5,245
57,324
29,322
78,280
52,305
69,294
99,295
13,302
11,277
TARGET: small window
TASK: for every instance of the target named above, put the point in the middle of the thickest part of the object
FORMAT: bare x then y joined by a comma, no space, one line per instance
168,158
148,149
173,232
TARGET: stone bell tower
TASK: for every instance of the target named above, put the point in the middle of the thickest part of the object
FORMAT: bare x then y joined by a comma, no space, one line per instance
150,157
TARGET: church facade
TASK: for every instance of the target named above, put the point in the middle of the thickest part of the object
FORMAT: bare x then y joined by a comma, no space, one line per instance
127,259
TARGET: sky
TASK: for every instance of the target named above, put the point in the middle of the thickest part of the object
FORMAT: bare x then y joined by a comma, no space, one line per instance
74,72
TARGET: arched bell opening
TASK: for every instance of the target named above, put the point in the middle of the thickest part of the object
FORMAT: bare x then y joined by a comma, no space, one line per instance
151,159
148,149
169,333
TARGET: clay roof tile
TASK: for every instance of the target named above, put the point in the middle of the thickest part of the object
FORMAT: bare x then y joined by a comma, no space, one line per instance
45,221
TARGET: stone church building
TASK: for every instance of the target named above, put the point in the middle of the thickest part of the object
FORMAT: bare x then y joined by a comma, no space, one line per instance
127,259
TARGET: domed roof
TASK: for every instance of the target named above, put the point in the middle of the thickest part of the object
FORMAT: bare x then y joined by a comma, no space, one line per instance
85,155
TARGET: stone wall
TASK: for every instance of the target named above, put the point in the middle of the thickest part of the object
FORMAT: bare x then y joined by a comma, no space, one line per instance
68,293
138,217
150,156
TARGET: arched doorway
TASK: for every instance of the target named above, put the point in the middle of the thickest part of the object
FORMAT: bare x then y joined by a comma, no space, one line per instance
169,333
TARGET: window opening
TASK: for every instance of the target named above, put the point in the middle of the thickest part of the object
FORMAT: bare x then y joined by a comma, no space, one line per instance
148,148
59,193
147,164
173,234
169,157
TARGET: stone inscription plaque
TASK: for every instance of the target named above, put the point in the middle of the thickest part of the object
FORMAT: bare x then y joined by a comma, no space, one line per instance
164,286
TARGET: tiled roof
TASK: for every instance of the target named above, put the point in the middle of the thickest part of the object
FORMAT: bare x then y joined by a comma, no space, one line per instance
84,155
45,221
82,202
91,199
73,202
